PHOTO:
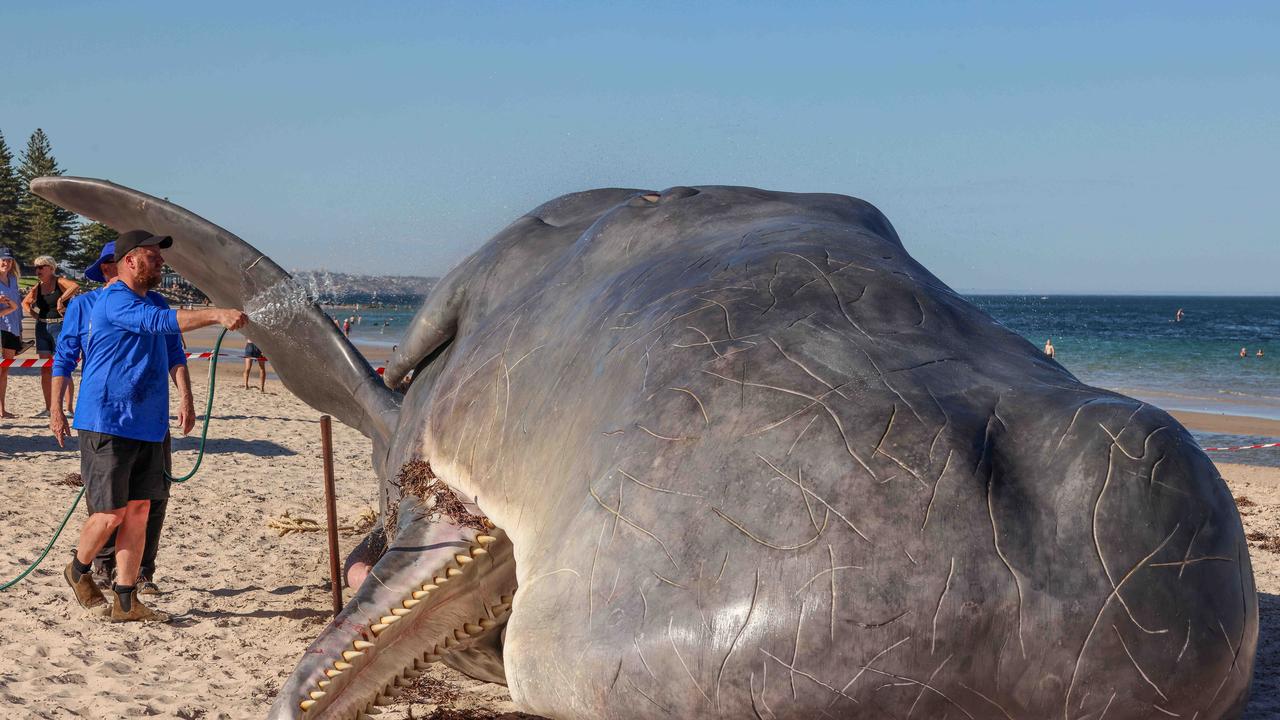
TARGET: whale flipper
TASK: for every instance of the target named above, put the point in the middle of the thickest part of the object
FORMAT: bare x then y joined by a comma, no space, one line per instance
313,359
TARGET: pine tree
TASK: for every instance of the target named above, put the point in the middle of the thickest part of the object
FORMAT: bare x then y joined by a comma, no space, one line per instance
49,228
90,238
11,235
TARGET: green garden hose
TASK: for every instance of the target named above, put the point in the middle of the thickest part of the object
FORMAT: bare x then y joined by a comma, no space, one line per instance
204,432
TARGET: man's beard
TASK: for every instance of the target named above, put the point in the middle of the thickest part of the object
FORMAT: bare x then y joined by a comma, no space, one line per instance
149,278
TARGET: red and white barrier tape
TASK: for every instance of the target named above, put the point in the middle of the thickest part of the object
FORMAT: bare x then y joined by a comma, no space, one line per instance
48,362
1243,447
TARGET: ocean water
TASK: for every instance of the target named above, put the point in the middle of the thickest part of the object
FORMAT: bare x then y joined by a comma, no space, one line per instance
1133,345
383,326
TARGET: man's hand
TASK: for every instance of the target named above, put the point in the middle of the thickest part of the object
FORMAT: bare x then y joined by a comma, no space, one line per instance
62,307
232,319
58,424
186,416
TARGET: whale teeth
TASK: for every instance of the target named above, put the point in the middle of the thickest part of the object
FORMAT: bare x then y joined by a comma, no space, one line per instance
410,603
400,612
306,704
383,700
389,619
317,694
371,710
453,572
377,628
449,641
477,551
419,594
362,644
332,672
429,587
487,624
340,665
500,608
392,691
350,655
485,539
507,599
430,658
461,634
472,629
462,559
439,580
323,684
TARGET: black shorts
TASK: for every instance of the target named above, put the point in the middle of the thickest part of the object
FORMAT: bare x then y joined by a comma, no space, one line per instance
116,470
9,341
251,352
47,336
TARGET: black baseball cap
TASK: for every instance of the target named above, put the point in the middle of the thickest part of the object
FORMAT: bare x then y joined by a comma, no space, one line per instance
139,238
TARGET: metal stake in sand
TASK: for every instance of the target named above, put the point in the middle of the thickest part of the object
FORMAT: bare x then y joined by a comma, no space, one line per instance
331,511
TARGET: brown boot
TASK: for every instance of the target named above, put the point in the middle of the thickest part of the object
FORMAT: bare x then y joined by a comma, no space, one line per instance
147,586
87,593
137,611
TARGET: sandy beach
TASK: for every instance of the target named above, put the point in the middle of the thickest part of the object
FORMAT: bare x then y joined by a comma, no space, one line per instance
247,601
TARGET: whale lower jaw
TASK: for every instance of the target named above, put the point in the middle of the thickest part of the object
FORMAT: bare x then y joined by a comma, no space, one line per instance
452,611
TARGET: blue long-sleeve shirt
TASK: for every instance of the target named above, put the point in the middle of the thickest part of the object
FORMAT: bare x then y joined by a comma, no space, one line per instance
75,322
13,321
130,344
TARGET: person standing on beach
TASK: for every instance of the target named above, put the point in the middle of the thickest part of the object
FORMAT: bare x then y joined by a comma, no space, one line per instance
1048,347
75,327
10,320
46,302
130,346
253,352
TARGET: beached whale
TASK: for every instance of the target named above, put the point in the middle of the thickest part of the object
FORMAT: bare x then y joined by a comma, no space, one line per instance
730,452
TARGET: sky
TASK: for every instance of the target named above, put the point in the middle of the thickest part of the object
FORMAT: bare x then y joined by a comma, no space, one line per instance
1016,147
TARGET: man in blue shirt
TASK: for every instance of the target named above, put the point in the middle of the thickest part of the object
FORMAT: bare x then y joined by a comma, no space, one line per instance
75,328
131,345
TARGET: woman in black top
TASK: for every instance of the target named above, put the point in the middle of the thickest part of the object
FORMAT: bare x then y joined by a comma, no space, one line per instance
46,302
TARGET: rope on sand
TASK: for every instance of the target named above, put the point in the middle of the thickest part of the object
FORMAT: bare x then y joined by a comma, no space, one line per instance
287,523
